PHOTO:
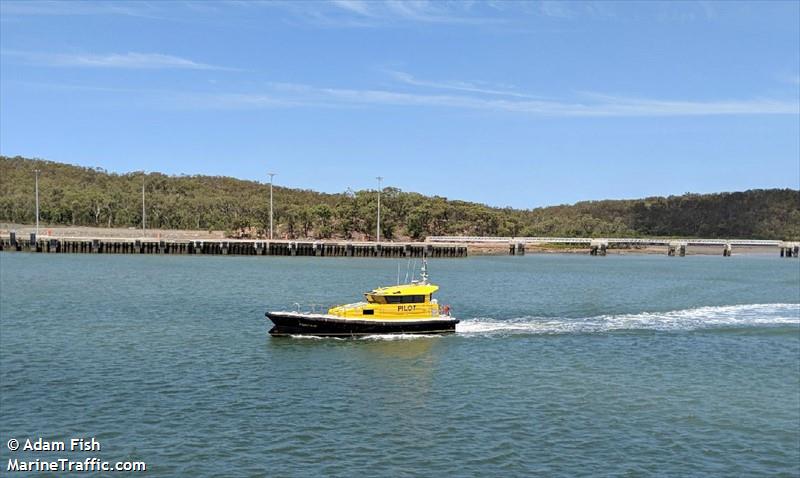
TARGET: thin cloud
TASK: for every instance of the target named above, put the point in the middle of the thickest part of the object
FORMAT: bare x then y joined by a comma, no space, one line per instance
558,9
130,60
66,8
354,6
427,12
228,101
361,13
470,87
590,105
595,105
627,106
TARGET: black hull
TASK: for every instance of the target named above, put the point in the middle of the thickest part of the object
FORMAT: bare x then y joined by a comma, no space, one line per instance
326,326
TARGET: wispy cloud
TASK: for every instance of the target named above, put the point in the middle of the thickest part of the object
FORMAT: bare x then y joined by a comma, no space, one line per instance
590,105
112,60
429,12
610,105
298,95
471,87
355,6
67,8
230,101
364,13
558,9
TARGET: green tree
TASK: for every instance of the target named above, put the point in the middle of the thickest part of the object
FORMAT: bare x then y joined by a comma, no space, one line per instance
73,195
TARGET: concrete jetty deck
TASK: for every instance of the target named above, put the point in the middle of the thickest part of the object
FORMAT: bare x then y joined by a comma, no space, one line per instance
599,246
441,246
240,247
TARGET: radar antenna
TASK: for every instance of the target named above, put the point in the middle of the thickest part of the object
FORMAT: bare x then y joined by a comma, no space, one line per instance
423,271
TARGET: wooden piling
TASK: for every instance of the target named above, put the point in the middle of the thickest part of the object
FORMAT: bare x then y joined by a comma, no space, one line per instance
238,247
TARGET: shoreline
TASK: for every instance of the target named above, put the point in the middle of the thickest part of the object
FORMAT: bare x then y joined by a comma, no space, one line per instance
23,231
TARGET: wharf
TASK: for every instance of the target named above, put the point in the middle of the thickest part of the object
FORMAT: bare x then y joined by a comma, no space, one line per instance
599,246
239,247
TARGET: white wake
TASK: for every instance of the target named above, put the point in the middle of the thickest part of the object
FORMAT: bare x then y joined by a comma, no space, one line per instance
687,319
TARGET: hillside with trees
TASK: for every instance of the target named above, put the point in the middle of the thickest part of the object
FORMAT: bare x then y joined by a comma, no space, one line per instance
74,195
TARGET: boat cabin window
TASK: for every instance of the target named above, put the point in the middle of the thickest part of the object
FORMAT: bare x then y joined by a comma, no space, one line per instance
396,299
405,299
368,312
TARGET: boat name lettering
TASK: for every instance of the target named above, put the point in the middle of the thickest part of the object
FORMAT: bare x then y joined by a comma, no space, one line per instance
406,308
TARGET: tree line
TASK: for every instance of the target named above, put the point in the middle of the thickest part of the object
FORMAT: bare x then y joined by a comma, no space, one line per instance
80,196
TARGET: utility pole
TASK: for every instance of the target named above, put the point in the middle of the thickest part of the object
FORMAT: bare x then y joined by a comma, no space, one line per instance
378,235
37,201
271,175
144,221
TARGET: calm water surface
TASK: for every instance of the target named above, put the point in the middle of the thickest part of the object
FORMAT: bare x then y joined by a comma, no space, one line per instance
563,365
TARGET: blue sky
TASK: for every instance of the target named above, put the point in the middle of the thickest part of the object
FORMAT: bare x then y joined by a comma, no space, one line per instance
507,103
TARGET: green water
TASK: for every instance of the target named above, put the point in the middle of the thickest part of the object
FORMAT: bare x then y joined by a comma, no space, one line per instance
563,365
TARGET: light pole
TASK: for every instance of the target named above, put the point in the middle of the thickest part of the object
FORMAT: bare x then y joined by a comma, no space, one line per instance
144,220
271,175
37,201
378,235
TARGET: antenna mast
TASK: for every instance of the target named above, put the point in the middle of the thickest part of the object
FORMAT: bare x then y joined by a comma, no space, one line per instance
423,271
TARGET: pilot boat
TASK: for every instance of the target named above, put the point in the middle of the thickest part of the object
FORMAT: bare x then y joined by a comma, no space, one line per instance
401,309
